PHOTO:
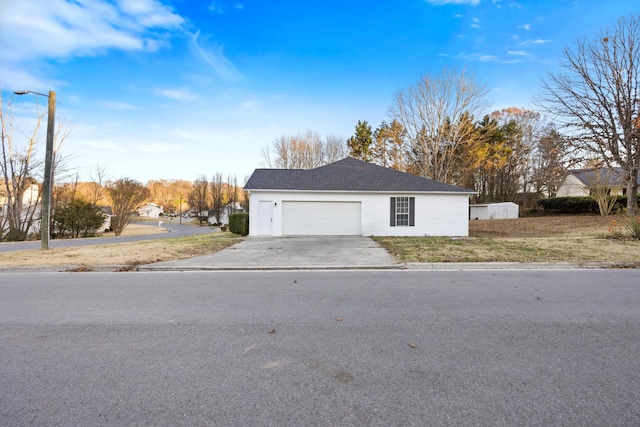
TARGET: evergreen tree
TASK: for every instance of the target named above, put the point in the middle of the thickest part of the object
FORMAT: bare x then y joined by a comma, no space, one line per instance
78,219
360,143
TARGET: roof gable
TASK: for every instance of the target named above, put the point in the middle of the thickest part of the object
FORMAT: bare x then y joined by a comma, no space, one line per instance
590,177
348,174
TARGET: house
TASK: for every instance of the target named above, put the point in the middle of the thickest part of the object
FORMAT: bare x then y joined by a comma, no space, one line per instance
502,210
224,215
30,197
580,182
352,197
29,208
150,210
107,212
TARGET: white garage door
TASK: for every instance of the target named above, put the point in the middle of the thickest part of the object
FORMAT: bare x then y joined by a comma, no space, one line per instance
321,218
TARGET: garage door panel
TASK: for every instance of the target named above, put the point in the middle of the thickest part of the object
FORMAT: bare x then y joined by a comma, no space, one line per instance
321,218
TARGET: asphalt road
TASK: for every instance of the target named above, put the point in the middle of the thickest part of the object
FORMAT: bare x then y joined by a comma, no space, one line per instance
494,348
175,230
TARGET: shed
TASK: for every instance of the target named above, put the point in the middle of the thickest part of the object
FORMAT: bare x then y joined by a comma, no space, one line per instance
502,210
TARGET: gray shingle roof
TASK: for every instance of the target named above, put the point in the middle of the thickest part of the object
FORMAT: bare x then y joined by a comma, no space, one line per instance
590,177
348,174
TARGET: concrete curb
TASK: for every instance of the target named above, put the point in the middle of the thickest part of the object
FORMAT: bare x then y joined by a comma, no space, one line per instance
270,268
438,266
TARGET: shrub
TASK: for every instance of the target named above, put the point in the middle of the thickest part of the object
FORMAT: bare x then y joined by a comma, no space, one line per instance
78,219
239,223
569,205
633,228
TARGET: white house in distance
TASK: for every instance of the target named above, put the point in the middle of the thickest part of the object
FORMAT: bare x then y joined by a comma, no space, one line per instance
503,210
579,182
352,197
150,210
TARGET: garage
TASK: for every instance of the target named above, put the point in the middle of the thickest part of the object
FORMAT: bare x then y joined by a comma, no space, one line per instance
321,218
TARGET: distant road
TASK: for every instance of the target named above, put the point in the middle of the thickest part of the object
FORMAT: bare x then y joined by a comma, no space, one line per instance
175,230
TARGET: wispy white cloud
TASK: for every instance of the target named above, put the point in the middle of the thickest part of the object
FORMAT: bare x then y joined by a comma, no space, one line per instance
177,94
105,145
533,42
526,27
37,30
476,23
222,8
540,41
64,28
212,54
218,7
160,148
482,57
445,2
518,53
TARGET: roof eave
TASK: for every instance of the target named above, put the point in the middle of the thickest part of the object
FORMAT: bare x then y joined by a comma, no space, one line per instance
469,192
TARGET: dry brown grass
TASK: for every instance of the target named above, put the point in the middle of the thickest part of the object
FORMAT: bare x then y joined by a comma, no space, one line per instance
125,255
539,239
547,226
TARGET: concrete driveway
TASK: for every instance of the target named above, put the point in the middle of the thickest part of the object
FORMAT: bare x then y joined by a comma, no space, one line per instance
285,253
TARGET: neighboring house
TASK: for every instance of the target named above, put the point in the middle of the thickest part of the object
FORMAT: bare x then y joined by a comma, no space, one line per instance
108,213
31,196
580,182
504,210
224,216
352,197
30,206
150,210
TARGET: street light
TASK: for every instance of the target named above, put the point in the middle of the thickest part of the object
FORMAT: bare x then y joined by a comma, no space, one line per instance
45,223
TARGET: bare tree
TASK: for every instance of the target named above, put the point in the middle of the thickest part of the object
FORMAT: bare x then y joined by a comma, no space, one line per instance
127,195
245,196
303,151
596,95
334,149
600,181
217,196
521,129
20,171
198,198
18,168
430,112
550,161
97,181
232,194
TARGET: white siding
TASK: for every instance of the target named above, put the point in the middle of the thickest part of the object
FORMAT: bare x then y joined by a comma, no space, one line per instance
503,210
572,186
436,214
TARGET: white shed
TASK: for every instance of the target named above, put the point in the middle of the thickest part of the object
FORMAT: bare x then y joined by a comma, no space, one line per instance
502,210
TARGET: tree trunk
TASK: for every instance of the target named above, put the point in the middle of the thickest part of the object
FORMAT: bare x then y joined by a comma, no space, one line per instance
632,192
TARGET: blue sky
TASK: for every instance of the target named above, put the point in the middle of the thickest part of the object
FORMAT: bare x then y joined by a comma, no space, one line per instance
172,89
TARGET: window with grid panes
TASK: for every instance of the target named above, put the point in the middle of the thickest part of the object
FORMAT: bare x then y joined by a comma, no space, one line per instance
402,211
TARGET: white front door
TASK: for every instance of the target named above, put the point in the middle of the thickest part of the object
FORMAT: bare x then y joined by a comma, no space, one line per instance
265,218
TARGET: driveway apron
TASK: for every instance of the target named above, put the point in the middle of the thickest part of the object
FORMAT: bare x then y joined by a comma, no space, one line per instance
300,252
